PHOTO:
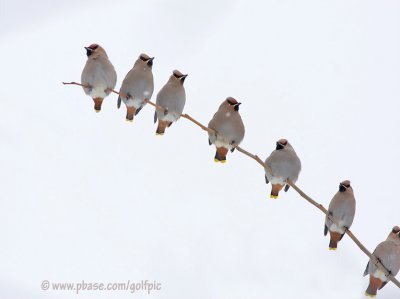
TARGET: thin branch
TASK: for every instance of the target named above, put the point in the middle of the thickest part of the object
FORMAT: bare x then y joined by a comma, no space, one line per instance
348,232
75,83
290,183
255,157
158,107
188,117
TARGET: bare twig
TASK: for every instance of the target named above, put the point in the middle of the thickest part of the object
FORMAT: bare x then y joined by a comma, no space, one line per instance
158,107
290,183
348,232
188,117
255,157
75,83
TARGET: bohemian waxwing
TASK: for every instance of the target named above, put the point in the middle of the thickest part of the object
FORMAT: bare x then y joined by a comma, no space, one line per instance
137,86
172,97
284,164
229,129
342,208
98,75
388,253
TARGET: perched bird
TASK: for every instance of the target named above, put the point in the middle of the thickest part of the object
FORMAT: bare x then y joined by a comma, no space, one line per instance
342,208
98,75
284,164
229,129
388,253
172,97
137,86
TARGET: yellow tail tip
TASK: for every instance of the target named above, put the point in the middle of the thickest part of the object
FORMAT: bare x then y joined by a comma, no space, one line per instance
159,134
330,248
129,120
216,160
97,111
273,196
222,161
369,295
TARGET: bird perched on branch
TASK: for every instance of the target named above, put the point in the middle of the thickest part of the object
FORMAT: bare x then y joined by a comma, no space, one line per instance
284,164
342,208
172,98
98,75
388,253
137,86
228,127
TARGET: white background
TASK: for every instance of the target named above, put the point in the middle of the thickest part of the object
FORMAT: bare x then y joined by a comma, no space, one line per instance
88,196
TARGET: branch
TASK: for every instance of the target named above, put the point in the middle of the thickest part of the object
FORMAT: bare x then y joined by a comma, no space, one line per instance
348,232
290,183
255,157
75,83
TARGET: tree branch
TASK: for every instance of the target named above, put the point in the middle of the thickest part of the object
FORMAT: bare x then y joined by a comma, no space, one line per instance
290,183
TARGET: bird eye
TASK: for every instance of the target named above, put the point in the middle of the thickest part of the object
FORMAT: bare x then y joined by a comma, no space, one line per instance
143,58
342,187
176,75
279,146
231,101
93,46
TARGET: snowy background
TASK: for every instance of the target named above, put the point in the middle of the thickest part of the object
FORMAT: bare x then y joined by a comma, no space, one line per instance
88,196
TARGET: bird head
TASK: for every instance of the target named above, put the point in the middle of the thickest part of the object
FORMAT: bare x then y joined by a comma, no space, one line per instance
94,50
343,186
231,103
281,144
145,59
177,75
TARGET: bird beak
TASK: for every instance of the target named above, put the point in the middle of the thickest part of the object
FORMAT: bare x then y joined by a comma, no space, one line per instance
236,107
150,62
342,188
89,51
279,146
182,78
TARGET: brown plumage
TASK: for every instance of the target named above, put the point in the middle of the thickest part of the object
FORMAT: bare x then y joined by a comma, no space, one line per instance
162,125
375,284
275,190
228,127
335,238
98,75
220,154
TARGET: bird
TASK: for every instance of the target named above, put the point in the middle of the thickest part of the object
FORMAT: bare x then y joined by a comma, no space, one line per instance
172,98
98,76
137,86
342,208
228,129
284,164
388,253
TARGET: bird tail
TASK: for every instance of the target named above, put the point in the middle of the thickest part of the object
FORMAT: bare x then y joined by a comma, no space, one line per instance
130,113
162,125
220,154
97,104
335,238
374,285
275,190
